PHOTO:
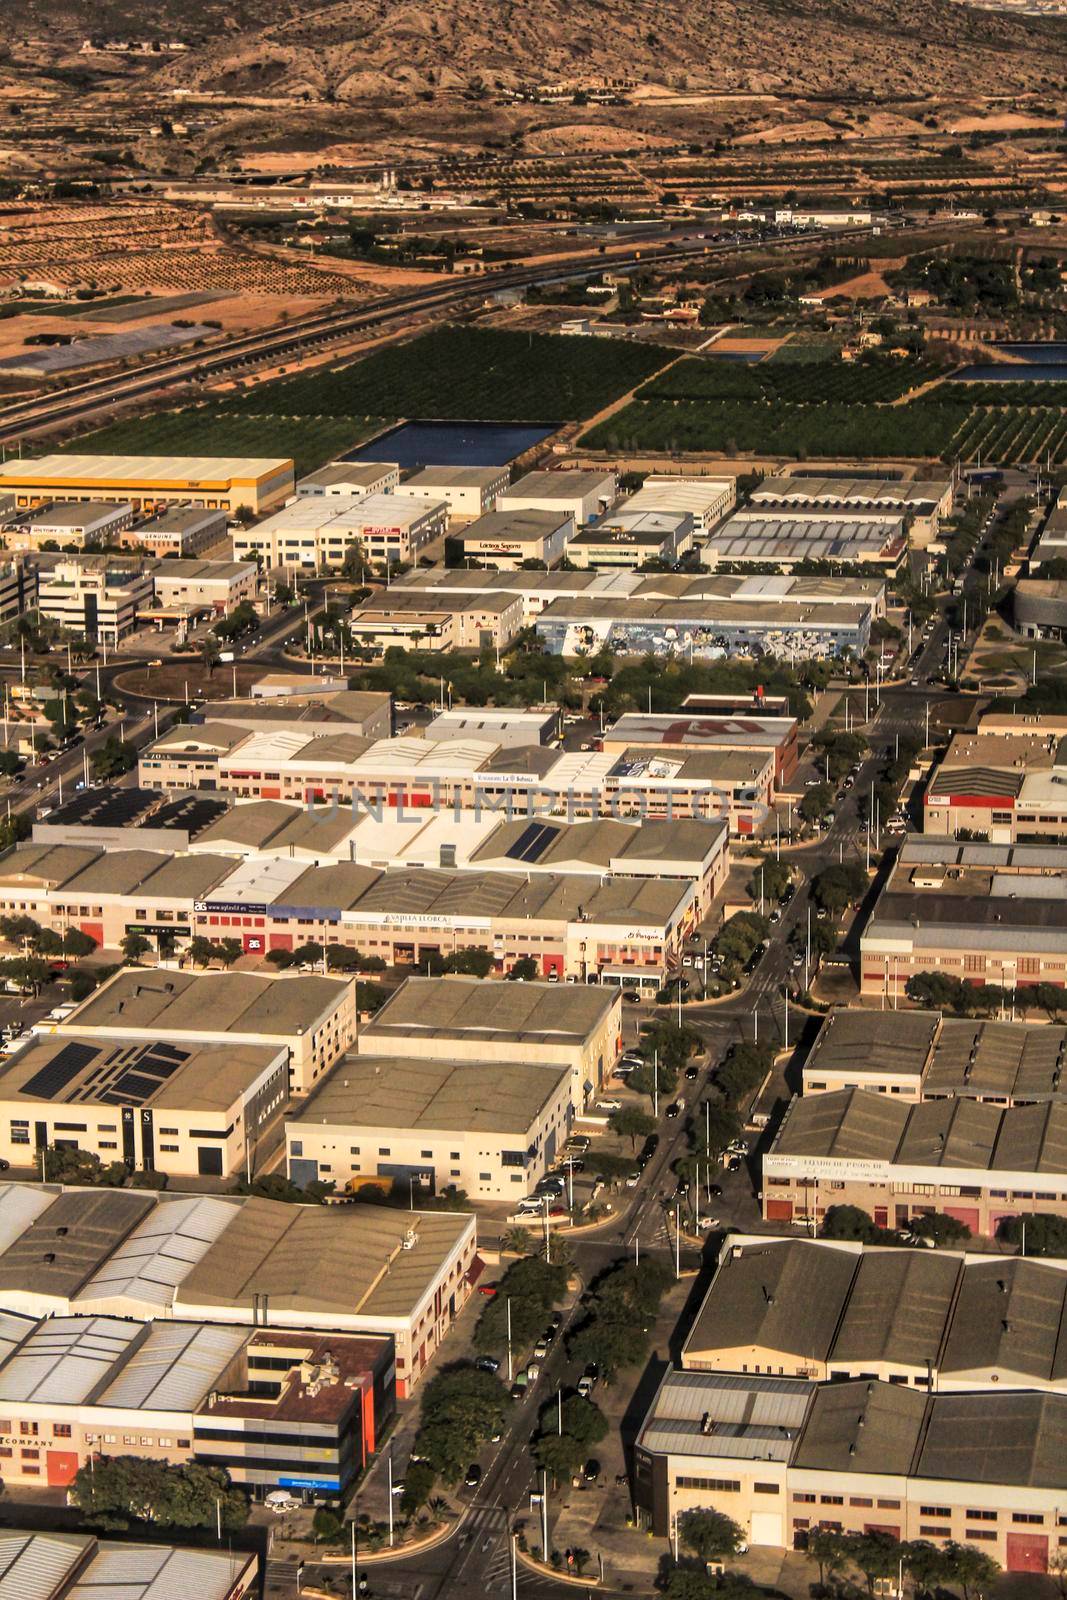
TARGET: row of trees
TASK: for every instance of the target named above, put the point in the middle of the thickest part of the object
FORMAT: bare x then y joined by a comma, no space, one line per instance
123,1490
462,1407
852,1222
622,1309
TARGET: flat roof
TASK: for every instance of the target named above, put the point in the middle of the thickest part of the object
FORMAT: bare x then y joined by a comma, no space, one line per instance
171,1002
65,513
695,495
455,477
80,1071
158,1572
523,1013
276,824
564,485
365,472
181,519
371,1091
515,527
181,568
695,731
195,472
860,490
746,538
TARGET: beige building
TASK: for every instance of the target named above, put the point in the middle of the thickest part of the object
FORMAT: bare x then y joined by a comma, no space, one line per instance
416,622
491,1129
150,482
472,1019
782,1457
179,531
706,500
311,1018
505,539
467,491
350,478
626,540
318,532
98,601
981,913
216,586
71,526
922,502
578,494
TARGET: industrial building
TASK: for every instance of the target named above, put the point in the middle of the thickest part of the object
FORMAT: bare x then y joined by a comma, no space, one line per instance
186,1110
827,1309
469,492
978,912
395,617
151,482
783,541
706,500
1008,786
978,1162
505,539
101,598
782,1457
240,1262
922,502
631,540
68,525
508,726
351,478
309,1017
576,1027
1039,608
582,495
775,735
490,1128
178,531
318,532
79,1566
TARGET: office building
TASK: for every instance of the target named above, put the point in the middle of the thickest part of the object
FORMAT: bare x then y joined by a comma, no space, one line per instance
120,818
178,531
394,617
18,589
195,586
319,532
1039,607
507,726
100,600
150,482
492,1129
70,526
979,1163
351,479
240,1262
983,913
469,492
504,540
632,540
782,1456
582,495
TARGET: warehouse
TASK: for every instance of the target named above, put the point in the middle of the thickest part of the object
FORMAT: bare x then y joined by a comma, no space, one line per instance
316,706
982,913
186,1110
976,1162
351,478
78,1566
121,818
507,726
318,532
231,483
275,1409
783,541
309,1016
505,539
774,735
923,502
829,1309
1039,608
469,492
71,526
706,500
782,1456
413,621
584,496
629,541
178,531
216,586
525,1024
705,629
491,1129
239,1260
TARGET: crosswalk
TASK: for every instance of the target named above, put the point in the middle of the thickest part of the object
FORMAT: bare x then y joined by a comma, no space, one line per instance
491,1523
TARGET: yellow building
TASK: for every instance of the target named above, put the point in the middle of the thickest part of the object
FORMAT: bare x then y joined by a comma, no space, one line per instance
151,482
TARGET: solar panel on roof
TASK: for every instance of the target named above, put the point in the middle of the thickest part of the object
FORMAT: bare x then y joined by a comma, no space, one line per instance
135,1088
532,842
60,1071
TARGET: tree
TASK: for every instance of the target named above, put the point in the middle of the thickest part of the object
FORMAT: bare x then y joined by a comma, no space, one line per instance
558,1454
1046,1235
925,1563
849,1222
970,1568
419,1484
940,1228
201,951
81,982
612,1344
326,1525
741,1072
524,970
28,973
710,1534
816,802
114,757
134,946
838,885
876,1554
582,1419
229,951
80,1167
632,1123
155,1492
78,944
829,1549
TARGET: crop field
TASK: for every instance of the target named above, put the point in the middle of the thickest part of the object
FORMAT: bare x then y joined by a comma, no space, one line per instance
1003,434
470,374
214,430
1013,392
866,383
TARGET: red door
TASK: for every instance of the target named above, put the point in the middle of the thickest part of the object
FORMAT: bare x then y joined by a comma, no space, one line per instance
281,941
63,1464
552,964
95,930
1026,1552
779,1210
968,1215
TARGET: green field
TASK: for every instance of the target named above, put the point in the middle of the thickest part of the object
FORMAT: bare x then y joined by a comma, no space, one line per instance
469,374
798,383
215,431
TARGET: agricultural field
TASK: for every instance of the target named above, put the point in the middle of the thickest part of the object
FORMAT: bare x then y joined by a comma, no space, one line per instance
1002,434
469,374
1012,392
822,383
214,430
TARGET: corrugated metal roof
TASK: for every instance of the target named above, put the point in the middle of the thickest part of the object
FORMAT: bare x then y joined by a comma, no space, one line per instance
34,1565
66,1358
158,1572
152,1262
178,1363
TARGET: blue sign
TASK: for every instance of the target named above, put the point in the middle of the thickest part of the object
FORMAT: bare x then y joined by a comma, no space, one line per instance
309,1483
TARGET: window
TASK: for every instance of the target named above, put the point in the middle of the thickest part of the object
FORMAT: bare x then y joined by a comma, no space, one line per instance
426,1155
384,1150
61,1430
1036,1517
929,1532
805,1499
28,1429
832,1499
712,1485
981,1516
765,1488
859,1500
980,1533
30,1455
935,1511
889,1505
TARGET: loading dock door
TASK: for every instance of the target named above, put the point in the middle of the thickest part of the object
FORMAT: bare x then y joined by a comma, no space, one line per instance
1026,1552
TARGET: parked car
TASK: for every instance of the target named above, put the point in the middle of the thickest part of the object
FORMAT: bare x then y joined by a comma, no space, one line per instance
674,1109
487,1364
691,1073
585,1387
591,1470
474,1475
609,1105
